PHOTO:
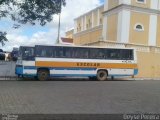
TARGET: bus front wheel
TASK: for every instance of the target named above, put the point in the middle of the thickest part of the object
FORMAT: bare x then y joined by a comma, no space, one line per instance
102,75
43,75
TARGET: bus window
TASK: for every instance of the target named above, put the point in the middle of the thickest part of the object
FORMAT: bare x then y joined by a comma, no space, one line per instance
127,54
82,53
43,53
67,52
75,53
28,53
130,55
97,53
38,52
112,54
101,54
49,52
59,52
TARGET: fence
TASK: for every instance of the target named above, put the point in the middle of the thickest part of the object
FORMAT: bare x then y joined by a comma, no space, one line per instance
7,70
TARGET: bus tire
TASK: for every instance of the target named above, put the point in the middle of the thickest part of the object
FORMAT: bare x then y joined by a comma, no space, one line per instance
102,75
43,75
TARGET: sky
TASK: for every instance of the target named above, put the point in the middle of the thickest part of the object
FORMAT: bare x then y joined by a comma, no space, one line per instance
46,35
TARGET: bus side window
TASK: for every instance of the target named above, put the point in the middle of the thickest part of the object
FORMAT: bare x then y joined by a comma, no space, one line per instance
106,54
131,54
127,54
81,53
75,53
110,54
101,54
84,53
43,54
49,52
67,52
97,54
113,54
38,52
59,52
53,52
93,53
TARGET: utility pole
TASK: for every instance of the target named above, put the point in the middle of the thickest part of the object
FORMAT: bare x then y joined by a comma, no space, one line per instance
59,24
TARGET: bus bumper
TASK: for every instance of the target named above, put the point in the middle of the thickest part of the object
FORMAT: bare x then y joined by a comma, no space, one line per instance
19,70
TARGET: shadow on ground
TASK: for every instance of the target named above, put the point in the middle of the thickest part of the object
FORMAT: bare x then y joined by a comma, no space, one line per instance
70,79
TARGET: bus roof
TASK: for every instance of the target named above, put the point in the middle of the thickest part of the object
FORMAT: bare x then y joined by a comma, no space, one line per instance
80,46
27,46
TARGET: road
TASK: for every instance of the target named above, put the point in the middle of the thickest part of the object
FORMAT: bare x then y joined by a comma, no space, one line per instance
52,97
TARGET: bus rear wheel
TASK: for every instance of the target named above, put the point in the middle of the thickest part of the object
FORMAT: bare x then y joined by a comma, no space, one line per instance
43,75
102,75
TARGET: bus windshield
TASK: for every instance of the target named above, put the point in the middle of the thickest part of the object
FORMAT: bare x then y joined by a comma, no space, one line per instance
26,53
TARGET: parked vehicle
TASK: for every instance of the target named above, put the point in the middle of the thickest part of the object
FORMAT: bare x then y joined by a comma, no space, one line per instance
2,55
14,54
8,56
44,62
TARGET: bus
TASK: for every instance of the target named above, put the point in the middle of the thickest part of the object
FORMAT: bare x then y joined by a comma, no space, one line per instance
44,62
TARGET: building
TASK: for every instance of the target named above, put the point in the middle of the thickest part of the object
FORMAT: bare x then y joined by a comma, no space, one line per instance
68,39
124,23
69,33
89,27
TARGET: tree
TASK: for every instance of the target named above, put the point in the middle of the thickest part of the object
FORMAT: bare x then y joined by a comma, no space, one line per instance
28,11
3,38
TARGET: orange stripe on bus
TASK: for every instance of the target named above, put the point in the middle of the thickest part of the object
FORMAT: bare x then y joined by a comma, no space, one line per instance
86,65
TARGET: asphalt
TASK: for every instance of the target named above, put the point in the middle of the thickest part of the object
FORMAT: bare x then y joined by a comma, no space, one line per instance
82,97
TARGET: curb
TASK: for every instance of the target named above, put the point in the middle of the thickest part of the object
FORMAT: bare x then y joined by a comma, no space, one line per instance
116,79
9,78
140,79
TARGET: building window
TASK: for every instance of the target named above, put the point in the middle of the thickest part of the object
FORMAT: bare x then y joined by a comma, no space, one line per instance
87,26
141,1
79,27
89,23
100,21
139,27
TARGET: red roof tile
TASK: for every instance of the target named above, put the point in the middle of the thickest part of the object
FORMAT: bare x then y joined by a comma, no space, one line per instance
67,40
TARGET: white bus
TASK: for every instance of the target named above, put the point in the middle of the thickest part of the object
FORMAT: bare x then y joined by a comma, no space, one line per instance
44,62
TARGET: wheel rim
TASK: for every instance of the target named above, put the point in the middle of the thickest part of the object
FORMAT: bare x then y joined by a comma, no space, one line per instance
102,76
43,75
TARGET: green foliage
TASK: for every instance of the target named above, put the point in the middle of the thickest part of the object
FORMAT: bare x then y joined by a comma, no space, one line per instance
29,11
3,38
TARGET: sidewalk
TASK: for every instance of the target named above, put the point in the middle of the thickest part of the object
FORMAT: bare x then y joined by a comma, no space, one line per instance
8,78
77,79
